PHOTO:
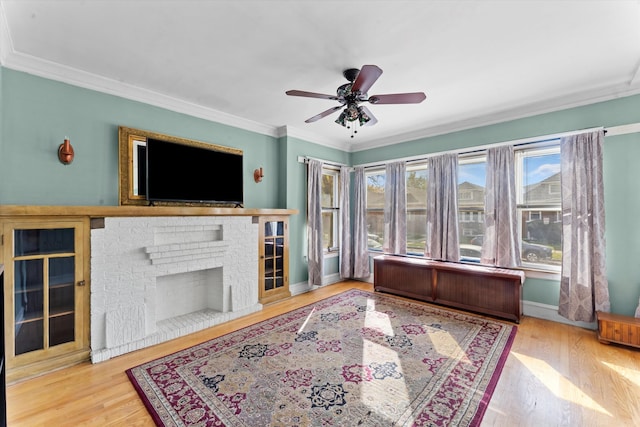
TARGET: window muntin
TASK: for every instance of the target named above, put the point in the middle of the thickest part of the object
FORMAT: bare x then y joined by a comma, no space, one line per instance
330,209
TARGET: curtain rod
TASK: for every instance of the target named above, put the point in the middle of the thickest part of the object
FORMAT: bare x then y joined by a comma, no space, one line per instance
610,131
470,150
305,159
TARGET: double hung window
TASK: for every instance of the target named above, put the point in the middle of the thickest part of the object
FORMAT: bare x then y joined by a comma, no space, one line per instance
472,173
416,187
375,208
330,209
539,205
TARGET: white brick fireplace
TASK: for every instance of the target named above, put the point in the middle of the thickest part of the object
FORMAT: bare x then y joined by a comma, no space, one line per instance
157,278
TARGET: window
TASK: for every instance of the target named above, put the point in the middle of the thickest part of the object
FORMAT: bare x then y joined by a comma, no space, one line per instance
375,208
539,205
330,209
537,168
416,187
472,175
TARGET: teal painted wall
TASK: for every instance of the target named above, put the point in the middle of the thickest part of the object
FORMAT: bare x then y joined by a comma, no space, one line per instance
38,113
621,175
1,111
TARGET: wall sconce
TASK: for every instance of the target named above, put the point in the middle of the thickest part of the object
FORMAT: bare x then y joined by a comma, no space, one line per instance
65,152
257,175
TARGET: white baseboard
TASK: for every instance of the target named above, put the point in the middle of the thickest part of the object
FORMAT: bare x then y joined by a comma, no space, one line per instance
302,287
299,288
550,312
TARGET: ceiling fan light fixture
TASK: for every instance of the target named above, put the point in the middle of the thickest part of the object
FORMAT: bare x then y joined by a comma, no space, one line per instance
352,112
341,119
363,117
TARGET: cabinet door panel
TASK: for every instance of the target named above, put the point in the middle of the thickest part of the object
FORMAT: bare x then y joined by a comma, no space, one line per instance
273,266
47,307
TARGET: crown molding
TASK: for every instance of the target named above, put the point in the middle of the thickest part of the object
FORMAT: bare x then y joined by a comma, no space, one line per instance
606,93
62,73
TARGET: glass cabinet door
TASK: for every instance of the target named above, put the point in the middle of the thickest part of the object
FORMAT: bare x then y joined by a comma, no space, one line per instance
273,259
44,288
46,300
273,255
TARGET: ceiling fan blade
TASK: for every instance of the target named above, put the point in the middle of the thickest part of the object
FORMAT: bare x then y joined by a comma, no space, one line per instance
366,78
398,98
323,114
311,94
372,119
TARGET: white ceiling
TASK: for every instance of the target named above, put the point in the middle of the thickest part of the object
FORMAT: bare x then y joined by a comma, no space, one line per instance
479,62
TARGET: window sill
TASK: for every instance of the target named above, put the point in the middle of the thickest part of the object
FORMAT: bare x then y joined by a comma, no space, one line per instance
332,254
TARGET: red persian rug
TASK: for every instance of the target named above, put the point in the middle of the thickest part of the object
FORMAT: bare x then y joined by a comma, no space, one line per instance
354,359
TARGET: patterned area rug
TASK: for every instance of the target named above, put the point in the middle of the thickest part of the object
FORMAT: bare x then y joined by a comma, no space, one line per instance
354,359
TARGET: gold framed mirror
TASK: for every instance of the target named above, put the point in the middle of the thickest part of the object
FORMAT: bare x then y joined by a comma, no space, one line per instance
131,148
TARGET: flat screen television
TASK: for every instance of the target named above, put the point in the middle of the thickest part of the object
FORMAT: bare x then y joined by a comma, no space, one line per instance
185,173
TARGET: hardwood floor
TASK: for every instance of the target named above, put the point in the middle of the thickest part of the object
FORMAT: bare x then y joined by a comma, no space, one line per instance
556,375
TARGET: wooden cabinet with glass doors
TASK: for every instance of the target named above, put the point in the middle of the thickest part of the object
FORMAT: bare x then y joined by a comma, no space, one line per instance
274,258
45,294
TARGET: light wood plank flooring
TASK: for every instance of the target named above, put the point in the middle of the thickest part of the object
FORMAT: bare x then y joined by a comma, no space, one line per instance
556,375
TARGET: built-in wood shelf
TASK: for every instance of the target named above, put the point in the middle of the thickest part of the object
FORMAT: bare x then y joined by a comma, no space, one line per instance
618,329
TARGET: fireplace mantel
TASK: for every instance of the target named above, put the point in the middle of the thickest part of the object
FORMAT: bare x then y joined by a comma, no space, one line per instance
135,211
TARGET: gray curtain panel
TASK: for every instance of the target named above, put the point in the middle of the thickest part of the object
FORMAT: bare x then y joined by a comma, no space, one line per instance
314,222
583,285
360,247
442,208
346,256
500,246
395,209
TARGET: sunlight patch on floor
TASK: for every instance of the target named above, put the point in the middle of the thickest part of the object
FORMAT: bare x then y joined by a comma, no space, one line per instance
389,398
557,384
630,374
445,344
377,320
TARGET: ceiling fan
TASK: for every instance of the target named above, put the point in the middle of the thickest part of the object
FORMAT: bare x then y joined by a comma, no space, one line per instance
351,94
